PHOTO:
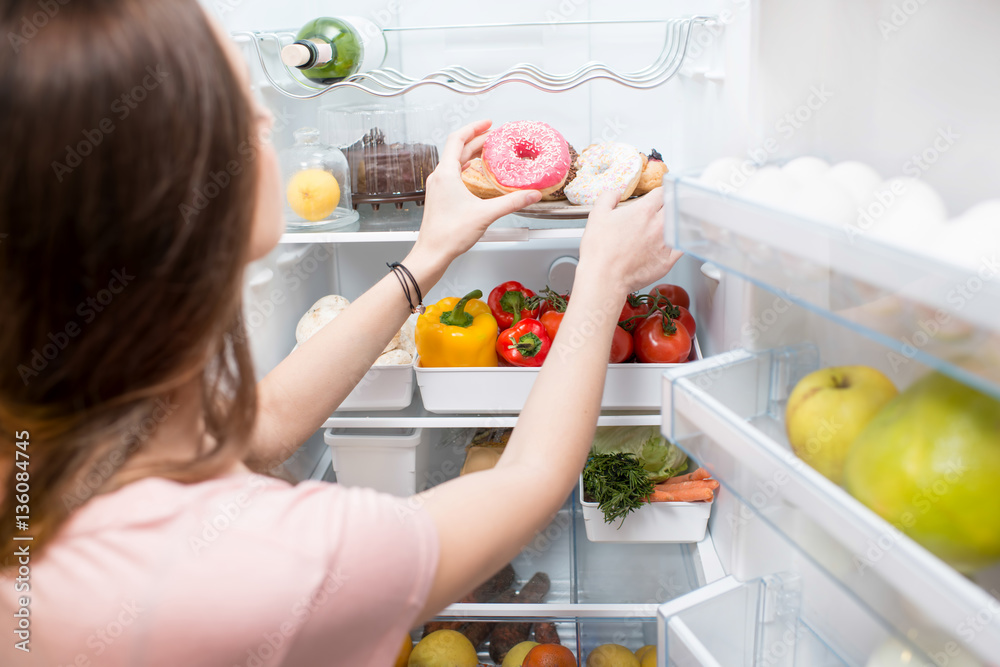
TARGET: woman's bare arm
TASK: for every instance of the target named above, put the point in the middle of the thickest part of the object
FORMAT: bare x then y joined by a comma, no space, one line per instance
485,519
304,389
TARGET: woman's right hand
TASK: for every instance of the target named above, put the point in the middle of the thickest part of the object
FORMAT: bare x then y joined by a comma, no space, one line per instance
626,244
454,218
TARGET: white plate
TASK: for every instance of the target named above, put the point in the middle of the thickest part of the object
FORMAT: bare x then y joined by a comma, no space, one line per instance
561,209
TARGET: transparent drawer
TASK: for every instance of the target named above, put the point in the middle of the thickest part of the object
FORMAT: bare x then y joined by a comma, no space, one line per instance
727,412
940,314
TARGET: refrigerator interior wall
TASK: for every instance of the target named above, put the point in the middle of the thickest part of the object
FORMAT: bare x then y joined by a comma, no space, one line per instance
911,87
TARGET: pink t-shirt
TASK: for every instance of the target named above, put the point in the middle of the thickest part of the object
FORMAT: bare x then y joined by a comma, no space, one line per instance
242,571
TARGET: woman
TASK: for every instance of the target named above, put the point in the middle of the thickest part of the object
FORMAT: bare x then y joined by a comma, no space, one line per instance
137,185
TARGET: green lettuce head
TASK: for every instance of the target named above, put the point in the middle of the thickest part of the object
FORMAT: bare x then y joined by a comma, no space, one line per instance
658,456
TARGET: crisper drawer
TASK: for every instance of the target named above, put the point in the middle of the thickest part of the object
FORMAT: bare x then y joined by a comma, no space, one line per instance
727,412
591,594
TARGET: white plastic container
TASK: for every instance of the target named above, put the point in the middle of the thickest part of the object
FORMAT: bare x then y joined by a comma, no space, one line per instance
382,388
479,390
653,522
389,460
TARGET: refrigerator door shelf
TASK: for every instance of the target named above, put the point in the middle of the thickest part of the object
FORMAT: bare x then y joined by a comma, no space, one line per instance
505,390
923,308
728,413
735,624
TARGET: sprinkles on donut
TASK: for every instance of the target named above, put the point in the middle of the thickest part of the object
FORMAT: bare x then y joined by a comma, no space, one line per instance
607,166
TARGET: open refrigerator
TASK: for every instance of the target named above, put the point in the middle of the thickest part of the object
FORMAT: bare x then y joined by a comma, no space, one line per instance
793,571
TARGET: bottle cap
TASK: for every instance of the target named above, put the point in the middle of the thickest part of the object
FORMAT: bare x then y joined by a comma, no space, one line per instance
296,55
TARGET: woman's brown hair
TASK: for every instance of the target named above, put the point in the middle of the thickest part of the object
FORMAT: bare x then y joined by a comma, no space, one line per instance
127,193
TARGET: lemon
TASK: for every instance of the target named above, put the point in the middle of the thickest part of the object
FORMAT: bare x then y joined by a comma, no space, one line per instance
515,656
612,655
444,648
648,659
313,194
648,648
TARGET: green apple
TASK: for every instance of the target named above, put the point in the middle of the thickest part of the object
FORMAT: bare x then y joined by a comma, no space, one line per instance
515,656
828,409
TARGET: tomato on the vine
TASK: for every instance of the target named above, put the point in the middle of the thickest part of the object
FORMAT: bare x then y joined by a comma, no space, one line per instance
551,321
552,301
635,306
659,340
621,346
687,320
674,293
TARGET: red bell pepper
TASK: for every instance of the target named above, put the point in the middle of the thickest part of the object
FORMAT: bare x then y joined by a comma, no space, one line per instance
524,344
511,302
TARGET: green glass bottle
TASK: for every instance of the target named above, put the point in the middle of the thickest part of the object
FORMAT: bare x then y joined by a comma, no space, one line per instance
327,50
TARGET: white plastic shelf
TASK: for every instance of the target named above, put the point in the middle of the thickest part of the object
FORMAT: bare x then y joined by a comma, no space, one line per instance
941,315
727,412
416,416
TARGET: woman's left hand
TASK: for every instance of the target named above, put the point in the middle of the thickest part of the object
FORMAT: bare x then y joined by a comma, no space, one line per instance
454,218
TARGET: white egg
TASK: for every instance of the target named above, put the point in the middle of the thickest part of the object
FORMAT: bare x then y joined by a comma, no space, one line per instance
727,173
824,201
770,186
857,178
905,212
971,239
803,170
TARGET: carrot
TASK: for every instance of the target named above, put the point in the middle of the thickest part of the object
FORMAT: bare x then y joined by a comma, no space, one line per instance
708,483
689,495
700,473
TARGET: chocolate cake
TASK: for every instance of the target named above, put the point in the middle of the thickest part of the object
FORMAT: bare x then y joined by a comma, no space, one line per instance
570,175
381,168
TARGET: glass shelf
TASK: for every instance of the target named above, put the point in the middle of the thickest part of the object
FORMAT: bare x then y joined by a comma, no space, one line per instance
390,225
416,416
727,412
937,314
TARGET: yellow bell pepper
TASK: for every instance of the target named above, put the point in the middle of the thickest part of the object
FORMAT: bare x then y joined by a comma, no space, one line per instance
457,332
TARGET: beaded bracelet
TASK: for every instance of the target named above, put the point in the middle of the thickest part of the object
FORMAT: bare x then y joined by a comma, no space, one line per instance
403,275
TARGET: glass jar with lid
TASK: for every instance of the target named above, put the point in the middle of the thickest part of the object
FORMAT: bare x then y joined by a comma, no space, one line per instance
317,185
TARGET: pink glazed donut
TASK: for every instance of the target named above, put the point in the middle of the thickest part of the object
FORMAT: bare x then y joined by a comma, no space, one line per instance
526,155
